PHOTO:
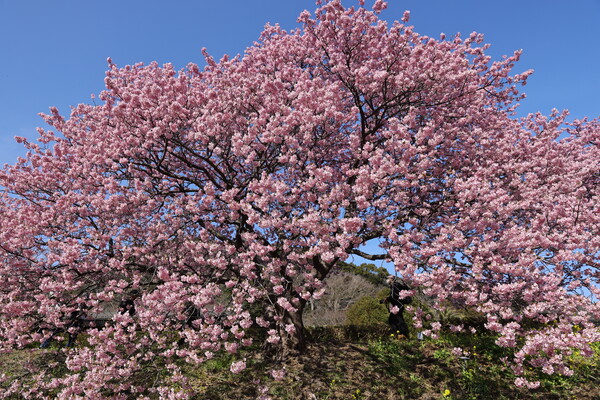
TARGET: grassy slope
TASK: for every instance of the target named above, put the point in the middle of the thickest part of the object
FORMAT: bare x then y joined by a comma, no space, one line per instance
384,367
346,363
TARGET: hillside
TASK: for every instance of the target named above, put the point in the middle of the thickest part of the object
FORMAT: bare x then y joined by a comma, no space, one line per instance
366,363
355,362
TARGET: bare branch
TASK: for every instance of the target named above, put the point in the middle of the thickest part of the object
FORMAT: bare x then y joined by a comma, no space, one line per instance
371,257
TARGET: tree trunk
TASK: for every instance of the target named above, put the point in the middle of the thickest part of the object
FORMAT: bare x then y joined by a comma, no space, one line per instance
293,341
291,327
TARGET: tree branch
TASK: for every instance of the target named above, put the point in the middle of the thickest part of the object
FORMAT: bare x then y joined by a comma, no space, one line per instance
371,257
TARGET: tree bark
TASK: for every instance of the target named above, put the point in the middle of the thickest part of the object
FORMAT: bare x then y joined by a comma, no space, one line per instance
293,341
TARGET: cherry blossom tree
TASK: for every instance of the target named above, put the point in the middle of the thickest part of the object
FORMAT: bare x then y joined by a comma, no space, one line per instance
223,196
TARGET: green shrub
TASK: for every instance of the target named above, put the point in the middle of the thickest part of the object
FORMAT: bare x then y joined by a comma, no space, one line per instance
367,311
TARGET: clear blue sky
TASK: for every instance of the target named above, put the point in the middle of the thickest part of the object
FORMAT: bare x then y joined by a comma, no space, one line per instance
53,53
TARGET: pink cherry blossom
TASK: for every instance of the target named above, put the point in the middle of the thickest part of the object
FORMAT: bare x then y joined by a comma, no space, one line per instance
238,366
278,374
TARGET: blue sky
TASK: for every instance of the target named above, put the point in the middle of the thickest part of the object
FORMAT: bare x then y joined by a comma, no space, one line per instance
53,53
